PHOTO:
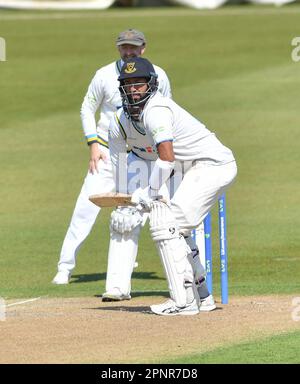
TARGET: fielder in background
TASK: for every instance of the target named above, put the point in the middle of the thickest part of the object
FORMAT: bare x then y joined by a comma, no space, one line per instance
103,95
181,145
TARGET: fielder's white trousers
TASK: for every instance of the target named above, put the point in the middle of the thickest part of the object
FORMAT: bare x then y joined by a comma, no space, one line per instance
198,191
85,212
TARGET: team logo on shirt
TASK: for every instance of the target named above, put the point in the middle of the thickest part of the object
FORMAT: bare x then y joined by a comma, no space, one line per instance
130,68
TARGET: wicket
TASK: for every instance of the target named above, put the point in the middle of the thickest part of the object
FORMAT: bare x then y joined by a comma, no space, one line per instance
207,261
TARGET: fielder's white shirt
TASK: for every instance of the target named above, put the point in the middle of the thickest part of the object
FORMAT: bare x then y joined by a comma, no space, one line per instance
103,95
164,120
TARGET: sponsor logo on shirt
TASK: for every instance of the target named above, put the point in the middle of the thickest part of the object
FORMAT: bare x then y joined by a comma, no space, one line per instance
150,149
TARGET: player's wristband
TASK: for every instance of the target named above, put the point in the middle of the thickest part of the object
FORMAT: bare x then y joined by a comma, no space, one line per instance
91,139
161,172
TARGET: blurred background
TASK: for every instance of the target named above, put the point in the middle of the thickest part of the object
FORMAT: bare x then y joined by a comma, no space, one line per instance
104,4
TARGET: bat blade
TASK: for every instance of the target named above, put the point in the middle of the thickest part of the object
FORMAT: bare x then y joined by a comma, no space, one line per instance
111,200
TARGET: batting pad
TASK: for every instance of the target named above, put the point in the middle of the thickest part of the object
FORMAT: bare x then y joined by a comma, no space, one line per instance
172,250
122,254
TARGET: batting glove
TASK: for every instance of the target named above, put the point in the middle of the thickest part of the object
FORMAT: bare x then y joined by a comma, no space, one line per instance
125,219
143,197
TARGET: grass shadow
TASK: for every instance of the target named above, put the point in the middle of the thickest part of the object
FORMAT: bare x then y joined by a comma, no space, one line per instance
89,277
146,276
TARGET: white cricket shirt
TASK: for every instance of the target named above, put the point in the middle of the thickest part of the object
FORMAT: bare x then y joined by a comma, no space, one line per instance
164,120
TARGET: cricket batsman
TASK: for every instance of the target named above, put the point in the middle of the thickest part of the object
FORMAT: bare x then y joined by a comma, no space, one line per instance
159,131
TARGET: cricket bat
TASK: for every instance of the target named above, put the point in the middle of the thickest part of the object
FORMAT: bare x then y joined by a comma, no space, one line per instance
111,200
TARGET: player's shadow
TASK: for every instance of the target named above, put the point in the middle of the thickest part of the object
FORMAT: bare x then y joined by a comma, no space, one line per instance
141,309
149,293
123,308
87,278
134,294
146,276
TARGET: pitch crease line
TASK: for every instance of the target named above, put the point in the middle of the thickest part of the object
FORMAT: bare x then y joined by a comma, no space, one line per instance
23,302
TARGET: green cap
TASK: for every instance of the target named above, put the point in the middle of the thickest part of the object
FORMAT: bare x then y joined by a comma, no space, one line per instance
131,36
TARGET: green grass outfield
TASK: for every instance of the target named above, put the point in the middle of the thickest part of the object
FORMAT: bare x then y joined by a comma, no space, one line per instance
231,68
281,349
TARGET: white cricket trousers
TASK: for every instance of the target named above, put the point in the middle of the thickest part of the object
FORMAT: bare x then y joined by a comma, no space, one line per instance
85,212
198,191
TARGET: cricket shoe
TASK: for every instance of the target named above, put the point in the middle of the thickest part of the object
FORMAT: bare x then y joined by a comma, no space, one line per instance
207,304
61,278
114,296
169,308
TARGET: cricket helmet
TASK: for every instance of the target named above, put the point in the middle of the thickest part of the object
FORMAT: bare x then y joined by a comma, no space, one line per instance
136,68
